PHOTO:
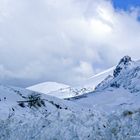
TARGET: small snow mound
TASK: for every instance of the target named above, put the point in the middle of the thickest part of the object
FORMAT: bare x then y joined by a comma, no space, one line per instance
48,87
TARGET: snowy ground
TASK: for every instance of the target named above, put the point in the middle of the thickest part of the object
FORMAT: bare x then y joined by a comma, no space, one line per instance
68,120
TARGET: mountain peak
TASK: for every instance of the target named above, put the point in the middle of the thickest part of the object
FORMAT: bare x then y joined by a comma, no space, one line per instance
125,60
123,64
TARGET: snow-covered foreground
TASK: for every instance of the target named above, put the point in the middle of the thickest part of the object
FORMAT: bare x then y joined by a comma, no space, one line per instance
111,112
25,117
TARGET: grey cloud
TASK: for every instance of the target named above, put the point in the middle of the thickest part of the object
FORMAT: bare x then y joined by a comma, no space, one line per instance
64,41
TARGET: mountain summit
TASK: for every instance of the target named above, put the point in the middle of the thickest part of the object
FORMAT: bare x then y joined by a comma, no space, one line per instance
123,64
125,60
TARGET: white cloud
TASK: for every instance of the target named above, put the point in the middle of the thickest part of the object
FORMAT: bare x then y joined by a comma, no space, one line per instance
64,41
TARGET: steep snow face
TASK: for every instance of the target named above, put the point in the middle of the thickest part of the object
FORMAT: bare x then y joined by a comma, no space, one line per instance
93,81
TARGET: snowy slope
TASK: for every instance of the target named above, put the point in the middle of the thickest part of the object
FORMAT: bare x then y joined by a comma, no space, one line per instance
48,87
62,91
58,90
26,115
16,100
93,81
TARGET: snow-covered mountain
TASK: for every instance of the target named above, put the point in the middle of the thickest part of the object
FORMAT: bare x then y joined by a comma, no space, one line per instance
126,76
110,112
123,88
62,91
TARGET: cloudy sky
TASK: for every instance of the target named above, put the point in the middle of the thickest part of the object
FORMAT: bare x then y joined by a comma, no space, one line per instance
65,40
